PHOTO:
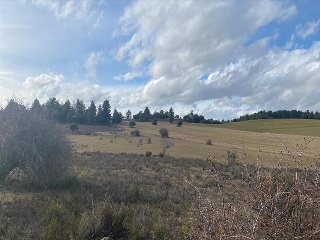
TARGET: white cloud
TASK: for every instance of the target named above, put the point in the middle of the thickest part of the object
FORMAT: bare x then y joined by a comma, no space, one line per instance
93,59
208,39
77,9
309,28
49,85
127,77
44,85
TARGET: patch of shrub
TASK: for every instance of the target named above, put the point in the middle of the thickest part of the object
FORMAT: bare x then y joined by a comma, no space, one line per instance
148,154
135,133
32,148
164,133
73,127
132,124
209,142
154,121
232,157
179,123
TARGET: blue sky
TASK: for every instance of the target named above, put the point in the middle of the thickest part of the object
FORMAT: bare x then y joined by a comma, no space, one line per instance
219,58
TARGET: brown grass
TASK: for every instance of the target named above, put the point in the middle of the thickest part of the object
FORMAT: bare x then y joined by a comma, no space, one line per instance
189,141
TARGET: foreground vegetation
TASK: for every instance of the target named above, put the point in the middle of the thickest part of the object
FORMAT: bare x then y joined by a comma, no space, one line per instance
125,196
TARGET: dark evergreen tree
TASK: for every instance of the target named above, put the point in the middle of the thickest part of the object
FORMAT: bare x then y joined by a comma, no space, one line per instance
66,112
116,117
146,115
171,115
52,109
106,109
91,113
36,107
80,112
99,117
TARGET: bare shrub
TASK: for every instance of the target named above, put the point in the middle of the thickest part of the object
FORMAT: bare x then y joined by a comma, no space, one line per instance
73,127
209,142
135,133
149,140
164,133
32,147
132,124
272,204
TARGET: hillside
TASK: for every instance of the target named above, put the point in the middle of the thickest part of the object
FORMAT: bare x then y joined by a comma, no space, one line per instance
190,141
303,127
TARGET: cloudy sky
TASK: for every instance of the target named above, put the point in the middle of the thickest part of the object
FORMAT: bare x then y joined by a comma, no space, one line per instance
220,58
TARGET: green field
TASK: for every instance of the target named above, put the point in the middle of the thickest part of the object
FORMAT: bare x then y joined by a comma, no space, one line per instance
304,127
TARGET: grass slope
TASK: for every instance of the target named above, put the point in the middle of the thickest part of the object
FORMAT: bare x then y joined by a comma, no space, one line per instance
303,127
190,141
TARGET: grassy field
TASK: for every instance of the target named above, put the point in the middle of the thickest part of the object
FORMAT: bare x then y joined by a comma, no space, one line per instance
303,127
266,148
113,192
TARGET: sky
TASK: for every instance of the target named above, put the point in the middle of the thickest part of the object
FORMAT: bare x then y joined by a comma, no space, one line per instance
221,59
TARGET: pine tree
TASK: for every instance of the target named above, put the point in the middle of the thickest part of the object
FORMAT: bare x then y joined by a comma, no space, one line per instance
91,113
36,107
52,109
171,115
80,112
66,112
106,109
99,118
116,117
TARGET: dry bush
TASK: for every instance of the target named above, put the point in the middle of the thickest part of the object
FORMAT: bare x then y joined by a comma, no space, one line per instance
132,124
268,204
33,148
164,133
135,133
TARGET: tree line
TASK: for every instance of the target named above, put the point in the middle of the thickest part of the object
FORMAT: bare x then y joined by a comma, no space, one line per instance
78,113
280,114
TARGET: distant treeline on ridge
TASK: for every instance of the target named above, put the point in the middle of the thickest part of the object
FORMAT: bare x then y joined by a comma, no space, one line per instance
77,112
279,114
